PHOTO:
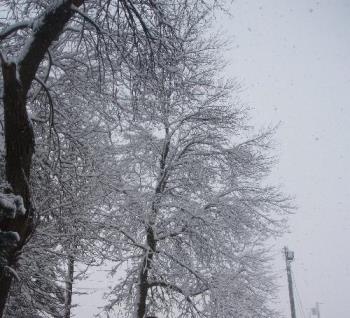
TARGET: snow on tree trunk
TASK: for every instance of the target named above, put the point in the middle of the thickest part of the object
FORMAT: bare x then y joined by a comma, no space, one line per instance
19,150
19,138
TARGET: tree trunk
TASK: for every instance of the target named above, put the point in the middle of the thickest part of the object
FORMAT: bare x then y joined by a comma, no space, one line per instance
5,284
151,240
142,290
69,288
19,137
19,142
143,277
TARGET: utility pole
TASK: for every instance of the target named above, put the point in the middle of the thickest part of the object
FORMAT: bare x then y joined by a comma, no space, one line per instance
316,310
289,256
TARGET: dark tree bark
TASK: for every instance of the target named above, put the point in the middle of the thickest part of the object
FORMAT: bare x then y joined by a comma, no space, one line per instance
69,287
150,238
19,150
143,278
19,136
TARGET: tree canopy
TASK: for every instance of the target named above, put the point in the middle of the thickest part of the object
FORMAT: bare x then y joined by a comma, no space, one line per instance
120,142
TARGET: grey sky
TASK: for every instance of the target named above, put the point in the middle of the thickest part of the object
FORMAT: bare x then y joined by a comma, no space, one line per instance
293,60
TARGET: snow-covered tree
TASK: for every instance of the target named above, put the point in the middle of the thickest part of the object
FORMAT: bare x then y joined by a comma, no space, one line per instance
122,143
193,211
69,167
52,47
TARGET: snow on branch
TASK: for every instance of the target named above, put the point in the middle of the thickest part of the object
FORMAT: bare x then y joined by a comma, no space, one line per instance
86,17
14,28
11,205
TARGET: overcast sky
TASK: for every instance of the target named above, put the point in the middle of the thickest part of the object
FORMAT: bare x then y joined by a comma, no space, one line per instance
293,60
